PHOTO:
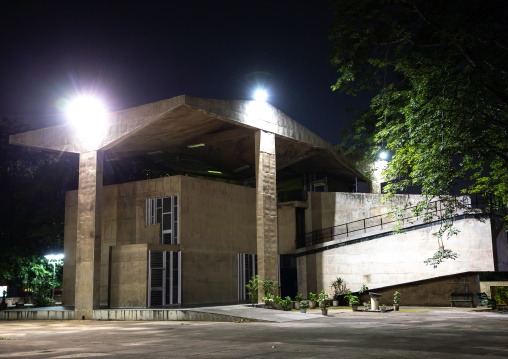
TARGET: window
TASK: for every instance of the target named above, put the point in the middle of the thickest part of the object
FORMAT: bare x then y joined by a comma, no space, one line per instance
165,278
164,211
247,268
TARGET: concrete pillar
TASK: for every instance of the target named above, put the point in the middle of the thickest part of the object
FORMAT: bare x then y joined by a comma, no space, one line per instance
88,246
377,176
266,208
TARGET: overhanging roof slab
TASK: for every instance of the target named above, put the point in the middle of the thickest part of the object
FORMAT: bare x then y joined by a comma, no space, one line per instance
172,125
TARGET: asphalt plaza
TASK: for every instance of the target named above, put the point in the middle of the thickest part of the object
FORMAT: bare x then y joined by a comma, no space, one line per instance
411,332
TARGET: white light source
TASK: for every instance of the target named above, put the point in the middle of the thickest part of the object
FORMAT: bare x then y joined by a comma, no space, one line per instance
383,155
260,95
54,259
89,116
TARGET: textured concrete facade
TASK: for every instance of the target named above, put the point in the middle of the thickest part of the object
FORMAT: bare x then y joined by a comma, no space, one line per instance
217,221
88,241
386,259
431,292
107,239
266,208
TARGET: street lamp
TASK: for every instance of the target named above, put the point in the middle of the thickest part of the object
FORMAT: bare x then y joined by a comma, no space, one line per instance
54,259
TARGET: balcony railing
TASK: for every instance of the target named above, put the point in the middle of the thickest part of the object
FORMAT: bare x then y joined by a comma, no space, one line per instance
406,216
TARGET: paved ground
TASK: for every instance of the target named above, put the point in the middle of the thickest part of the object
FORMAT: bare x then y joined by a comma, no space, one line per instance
413,332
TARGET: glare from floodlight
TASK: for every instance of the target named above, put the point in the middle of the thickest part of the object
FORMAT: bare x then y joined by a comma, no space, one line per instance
383,155
54,257
89,117
260,95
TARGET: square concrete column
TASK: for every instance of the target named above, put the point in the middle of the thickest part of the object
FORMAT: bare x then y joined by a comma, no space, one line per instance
89,227
266,208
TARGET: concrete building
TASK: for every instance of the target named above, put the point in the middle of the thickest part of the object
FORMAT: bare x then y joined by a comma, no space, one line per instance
248,191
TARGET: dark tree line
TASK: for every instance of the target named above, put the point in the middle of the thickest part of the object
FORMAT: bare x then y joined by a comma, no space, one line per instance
32,204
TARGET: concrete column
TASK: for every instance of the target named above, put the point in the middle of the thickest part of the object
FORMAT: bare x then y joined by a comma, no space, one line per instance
266,208
89,226
377,176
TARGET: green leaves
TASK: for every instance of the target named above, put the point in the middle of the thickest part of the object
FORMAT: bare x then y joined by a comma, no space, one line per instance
252,289
441,81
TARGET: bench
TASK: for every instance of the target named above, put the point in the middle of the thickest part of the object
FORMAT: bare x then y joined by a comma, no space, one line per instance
462,297
483,299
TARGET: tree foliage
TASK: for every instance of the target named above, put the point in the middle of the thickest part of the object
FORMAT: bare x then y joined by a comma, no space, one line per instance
32,196
438,71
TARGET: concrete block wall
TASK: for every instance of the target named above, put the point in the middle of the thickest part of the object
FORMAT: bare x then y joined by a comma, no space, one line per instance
286,222
129,284
217,221
399,258
431,292
393,259
329,209
70,237
500,243
486,285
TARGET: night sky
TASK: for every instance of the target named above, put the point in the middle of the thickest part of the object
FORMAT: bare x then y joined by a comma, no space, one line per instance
132,53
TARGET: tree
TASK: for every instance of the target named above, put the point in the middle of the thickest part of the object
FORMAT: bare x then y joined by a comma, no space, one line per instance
32,196
32,192
438,71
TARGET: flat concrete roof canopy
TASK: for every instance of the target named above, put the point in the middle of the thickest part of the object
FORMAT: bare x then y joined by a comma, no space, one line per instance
159,134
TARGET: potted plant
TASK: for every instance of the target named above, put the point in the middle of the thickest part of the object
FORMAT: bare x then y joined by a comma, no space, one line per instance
277,300
323,302
396,300
252,289
298,299
303,306
382,308
268,286
269,300
286,303
336,285
353,301
312,300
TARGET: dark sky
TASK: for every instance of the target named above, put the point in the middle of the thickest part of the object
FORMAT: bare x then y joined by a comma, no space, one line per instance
132,53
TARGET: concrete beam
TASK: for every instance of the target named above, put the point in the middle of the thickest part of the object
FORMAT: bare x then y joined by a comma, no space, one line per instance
266,208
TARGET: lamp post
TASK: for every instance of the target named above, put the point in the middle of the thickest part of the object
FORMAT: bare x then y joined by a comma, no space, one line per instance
54,259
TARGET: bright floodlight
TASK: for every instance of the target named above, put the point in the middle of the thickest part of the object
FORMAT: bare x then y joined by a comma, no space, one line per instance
54,257
88,115
383,155
260,95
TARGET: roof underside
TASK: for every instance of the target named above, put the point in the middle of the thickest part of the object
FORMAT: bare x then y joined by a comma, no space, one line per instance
165,142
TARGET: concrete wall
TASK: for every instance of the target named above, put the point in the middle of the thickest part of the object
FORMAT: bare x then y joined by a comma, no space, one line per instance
391,259
431,292
485,286
129,276
70,237
329,209
286,223
217,221
399,258
499,243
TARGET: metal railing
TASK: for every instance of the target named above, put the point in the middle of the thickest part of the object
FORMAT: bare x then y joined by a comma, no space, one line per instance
391,221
